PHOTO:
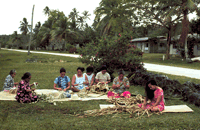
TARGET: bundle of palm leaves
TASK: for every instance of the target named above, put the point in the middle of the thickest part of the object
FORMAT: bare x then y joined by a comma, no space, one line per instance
127,105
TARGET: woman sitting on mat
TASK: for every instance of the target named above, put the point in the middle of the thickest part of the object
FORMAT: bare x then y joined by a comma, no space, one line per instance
79,80
155,94
62,81
120,84
9,81
90,75
103,76
24,91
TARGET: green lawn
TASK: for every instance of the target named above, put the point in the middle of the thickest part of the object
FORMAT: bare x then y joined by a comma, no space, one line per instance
157,58
47,116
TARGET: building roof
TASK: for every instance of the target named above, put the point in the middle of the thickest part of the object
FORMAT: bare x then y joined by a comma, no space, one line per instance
145,39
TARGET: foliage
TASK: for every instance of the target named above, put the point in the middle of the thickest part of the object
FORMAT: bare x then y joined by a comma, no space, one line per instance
114,52
72,50
172,88
195,26
24,26
4,39
69,46
112,16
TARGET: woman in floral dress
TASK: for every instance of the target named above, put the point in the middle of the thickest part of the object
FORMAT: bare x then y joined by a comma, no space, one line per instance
120,86
155,95
24,91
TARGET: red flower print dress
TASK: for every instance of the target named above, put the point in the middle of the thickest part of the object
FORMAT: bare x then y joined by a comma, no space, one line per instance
23,95
161,105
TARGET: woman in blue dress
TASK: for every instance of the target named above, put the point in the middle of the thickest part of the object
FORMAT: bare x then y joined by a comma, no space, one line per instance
79,80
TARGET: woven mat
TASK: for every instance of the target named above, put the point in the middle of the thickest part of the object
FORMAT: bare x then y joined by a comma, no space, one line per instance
178,108
174,108
91,96
7,96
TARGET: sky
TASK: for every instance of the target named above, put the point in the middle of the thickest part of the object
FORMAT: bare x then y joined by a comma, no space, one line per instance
13,11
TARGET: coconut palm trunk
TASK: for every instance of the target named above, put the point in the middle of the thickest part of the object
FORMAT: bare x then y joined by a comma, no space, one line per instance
31,31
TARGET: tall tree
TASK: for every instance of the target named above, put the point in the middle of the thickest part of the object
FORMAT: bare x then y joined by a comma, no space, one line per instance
158,12
73,17
112,14
35,32
45,34
46,11
186,6
24,26
62,31
15,39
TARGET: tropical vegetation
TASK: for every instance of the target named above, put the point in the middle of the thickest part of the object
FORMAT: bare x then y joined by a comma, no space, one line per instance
139,17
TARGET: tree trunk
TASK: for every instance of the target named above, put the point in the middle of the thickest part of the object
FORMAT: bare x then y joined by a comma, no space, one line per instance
31,31
184,33
168,43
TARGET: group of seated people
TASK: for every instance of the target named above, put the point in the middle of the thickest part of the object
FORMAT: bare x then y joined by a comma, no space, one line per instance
83,80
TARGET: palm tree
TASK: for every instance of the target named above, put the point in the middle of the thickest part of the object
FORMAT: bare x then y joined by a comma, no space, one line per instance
86,15
73,17
24,27
15,38
74,14
36,31
45,33
62,31
46,11
82,19
112,14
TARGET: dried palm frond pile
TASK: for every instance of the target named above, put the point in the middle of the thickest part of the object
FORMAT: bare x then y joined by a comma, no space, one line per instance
83,93
13,91
99,88
128,105
50,97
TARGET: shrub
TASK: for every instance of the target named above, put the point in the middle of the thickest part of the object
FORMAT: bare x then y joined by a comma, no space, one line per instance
72,50
69,46
114,52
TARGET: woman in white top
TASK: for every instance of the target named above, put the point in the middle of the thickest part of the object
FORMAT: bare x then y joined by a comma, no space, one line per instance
79,80
90,75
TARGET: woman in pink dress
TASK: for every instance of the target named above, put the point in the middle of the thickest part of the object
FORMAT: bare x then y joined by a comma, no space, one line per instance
24,91
120,86
155,95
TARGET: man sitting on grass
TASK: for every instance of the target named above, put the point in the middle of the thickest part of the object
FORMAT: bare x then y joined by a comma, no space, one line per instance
63,82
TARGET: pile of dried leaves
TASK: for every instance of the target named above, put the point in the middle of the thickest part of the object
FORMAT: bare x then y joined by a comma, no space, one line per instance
128,105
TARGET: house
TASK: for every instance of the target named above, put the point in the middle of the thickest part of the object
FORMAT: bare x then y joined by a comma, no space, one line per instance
159,44
151,45
196,48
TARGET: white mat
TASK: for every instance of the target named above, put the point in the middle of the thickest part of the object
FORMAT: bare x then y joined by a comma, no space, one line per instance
11,97
174,108
102,106
178,108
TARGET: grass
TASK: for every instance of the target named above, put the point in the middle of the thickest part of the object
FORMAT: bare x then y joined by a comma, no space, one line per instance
157,58
47,116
